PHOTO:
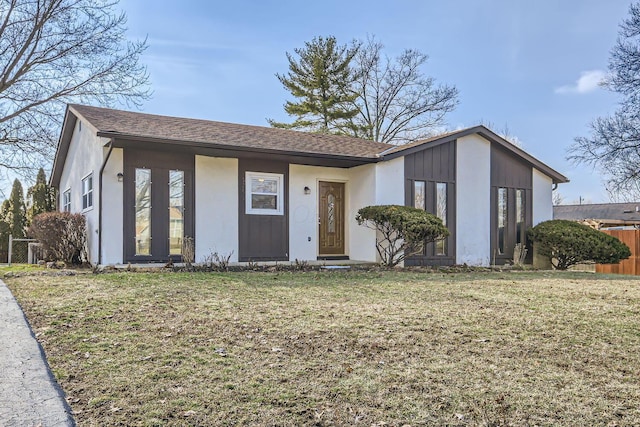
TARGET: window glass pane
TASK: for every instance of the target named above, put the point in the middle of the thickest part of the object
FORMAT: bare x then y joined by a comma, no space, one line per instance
143,211
264,201
264,185
502,219
520,228
419,194
176,212
331,213
264,193
441,212
66,201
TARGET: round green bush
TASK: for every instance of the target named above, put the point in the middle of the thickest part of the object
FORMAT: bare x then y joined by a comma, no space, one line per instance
403,230
567,243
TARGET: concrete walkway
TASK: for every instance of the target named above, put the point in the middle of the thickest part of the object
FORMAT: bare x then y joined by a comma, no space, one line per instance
29,395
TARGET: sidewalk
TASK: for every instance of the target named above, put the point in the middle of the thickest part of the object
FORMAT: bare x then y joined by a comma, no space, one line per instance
29,395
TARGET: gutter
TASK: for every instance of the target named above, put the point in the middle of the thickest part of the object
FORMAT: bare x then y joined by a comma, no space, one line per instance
104,164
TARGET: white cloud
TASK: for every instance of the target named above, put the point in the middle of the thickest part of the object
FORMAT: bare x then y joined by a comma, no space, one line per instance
588,82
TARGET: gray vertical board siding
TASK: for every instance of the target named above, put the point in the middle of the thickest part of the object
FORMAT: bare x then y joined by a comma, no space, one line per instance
511,172
433,165
262,237
160,163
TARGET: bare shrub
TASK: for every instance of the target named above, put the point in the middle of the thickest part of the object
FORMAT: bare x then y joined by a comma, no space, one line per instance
188,251
519,254
63,236
217,262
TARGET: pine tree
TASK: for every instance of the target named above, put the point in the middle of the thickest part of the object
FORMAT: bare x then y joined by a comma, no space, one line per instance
17,211
320,80
4,229
13,221
41,197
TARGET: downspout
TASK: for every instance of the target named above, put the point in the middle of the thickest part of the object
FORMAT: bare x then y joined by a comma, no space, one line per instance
555,186
104,164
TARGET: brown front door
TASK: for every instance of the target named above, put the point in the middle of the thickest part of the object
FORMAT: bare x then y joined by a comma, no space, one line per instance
331,218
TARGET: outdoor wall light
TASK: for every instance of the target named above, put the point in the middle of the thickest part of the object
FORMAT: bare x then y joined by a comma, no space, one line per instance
120,176
307,190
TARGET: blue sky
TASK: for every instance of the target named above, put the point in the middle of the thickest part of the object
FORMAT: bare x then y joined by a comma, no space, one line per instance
529,67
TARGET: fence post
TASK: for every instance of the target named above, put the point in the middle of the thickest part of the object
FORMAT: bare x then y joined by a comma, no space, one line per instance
10,249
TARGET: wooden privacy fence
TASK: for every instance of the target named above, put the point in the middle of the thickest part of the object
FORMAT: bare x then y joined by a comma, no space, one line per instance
630,265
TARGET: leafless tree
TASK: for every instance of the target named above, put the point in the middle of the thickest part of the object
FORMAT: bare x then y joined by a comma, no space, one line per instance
53,52
397,103
613,146
557,198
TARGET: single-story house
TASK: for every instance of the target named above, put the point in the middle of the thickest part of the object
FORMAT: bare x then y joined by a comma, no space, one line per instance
601,216
146,182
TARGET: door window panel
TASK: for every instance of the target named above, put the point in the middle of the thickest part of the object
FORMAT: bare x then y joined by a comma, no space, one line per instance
331,213
143,211
176,211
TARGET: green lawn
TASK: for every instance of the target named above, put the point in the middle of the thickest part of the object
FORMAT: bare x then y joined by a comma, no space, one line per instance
341,348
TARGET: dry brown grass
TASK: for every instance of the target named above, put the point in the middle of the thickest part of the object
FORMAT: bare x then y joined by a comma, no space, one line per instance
341,348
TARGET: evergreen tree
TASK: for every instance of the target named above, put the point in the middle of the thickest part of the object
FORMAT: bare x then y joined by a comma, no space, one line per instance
13,221
17,211
320,80
4,229
41,197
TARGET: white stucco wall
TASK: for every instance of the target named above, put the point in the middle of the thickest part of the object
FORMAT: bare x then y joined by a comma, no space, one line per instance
473,201
303,208
390,182
112,214
85,156
362,192
216,216
542,197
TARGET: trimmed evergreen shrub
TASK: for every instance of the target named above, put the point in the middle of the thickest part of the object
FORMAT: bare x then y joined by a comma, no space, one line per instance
402,230
567,243
63,236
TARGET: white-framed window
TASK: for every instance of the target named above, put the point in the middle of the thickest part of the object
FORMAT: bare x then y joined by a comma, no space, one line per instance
87,192
264,193
66,201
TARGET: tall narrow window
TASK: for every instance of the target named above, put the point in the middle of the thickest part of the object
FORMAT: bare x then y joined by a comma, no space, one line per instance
520,216
66,201
176,212
502,219
87,192
441,212
419,194
143,211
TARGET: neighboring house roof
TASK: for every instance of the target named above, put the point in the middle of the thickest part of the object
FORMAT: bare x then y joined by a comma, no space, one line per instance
144,128
604,214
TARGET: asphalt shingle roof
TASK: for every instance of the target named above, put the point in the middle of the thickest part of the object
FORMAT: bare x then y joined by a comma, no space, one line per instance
153,126
598,211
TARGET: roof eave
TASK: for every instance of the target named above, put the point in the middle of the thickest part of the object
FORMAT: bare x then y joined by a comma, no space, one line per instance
64,141
121,138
